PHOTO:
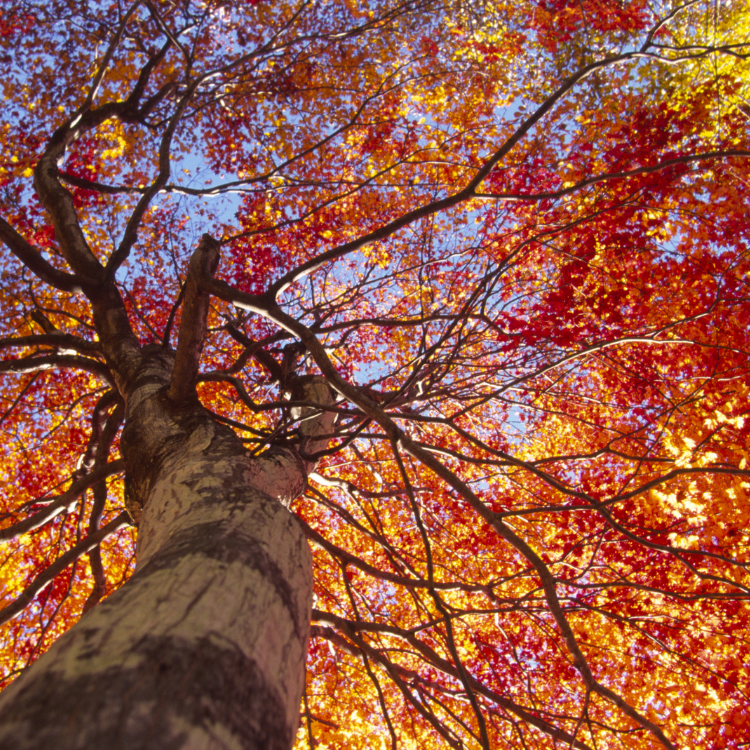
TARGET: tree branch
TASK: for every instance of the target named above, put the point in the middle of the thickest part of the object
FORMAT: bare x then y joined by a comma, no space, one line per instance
58,340
193,326
32,259
52,361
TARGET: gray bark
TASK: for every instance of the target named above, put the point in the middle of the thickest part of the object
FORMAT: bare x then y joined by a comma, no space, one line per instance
205,646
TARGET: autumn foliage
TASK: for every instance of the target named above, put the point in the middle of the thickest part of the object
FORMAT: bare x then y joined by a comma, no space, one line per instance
514,237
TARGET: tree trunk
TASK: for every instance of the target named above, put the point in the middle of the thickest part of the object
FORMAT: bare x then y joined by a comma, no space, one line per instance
205,646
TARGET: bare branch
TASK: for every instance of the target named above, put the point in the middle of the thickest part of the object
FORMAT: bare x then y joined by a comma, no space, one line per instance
54,361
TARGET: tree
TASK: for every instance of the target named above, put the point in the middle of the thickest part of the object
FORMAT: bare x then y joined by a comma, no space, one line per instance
416,331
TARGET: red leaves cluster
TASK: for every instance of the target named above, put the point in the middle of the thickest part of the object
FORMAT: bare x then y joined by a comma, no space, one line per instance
561,21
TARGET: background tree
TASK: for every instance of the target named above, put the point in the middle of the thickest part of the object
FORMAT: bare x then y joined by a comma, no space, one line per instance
462,298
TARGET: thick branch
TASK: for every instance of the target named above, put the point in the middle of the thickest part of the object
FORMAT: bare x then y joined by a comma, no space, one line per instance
32,259
57,339
316,422
110,317
193,326
52,361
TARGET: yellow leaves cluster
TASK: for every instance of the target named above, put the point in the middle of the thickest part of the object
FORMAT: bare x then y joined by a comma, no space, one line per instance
378,254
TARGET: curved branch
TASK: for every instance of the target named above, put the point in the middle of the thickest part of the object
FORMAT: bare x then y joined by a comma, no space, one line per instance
239,387
110,316
411,583
32,259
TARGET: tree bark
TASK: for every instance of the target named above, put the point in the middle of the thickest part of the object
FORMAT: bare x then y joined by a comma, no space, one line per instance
205,646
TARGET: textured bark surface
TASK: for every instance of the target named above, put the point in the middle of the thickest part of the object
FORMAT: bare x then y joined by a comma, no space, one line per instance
205,646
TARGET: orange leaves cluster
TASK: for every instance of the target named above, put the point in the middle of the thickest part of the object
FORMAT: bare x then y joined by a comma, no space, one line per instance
520,230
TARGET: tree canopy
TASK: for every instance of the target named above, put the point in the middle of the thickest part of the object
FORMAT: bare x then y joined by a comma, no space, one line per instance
513,237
